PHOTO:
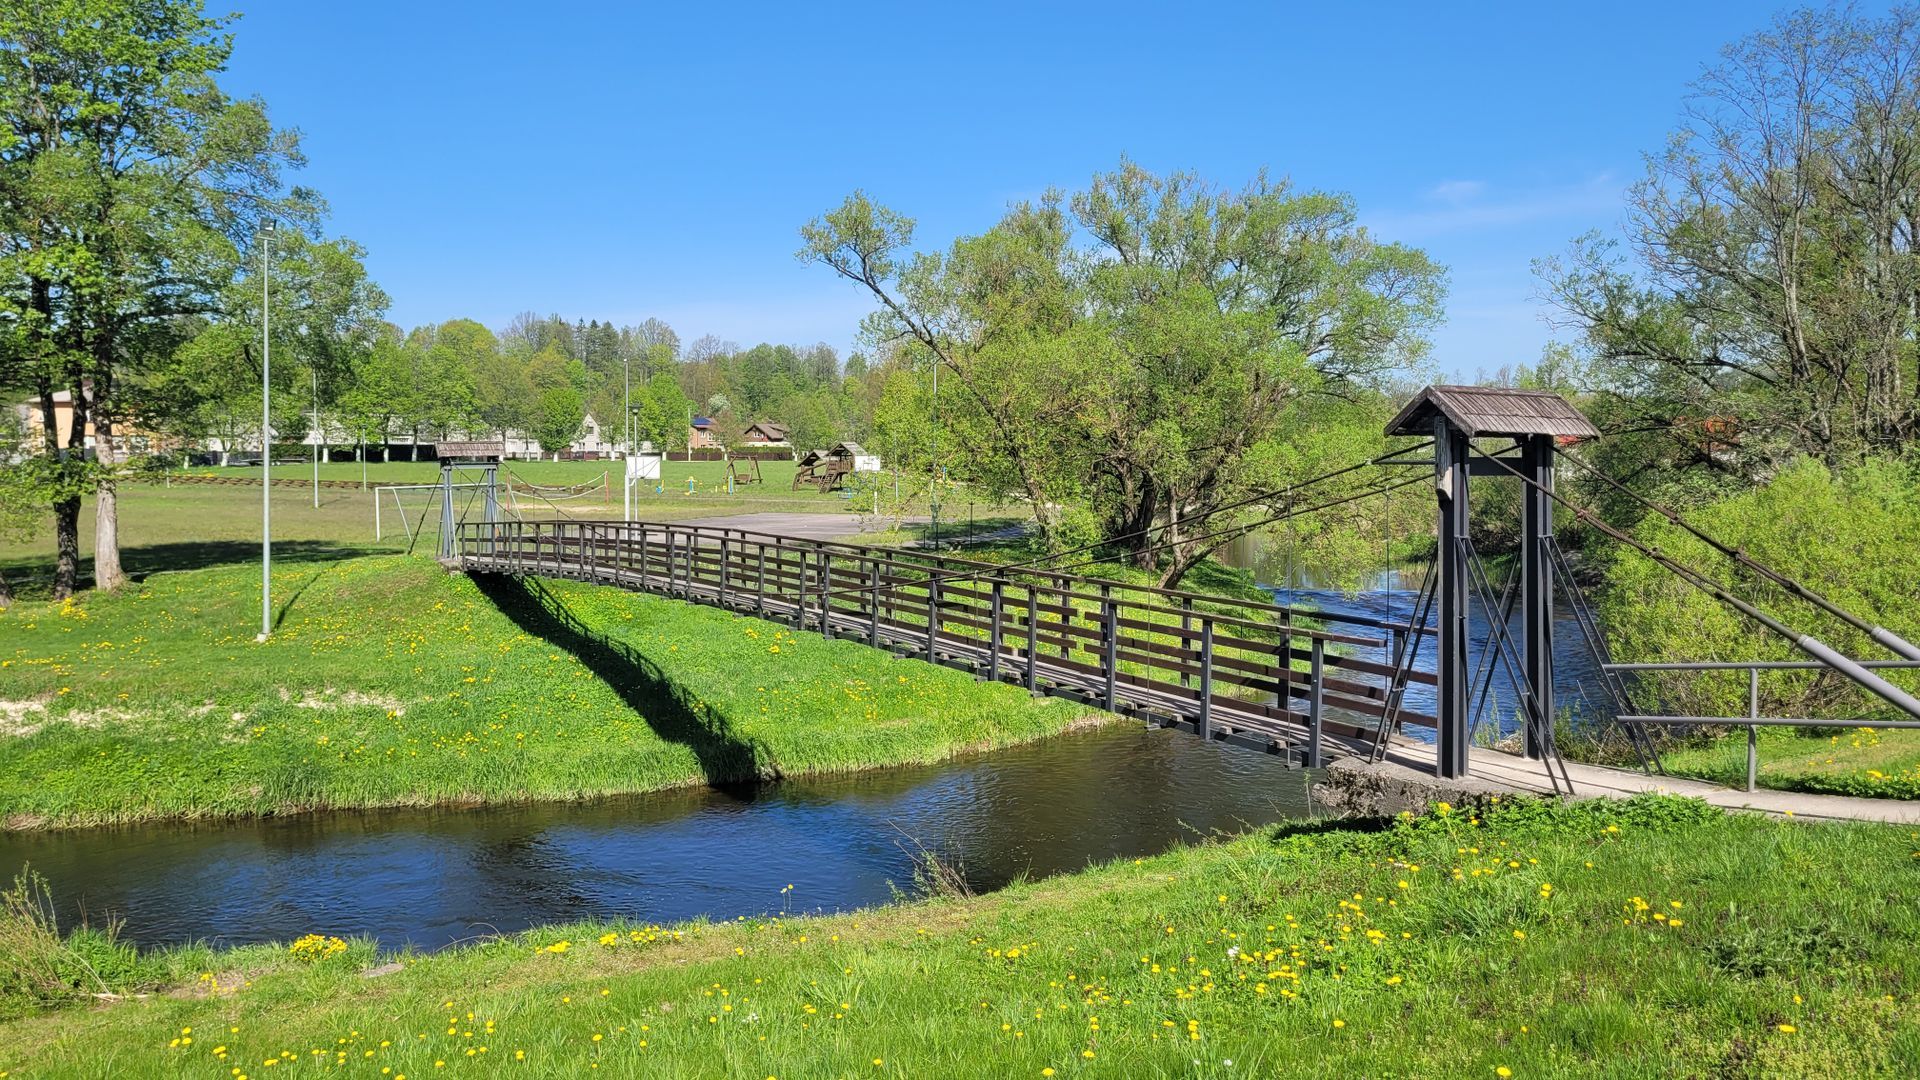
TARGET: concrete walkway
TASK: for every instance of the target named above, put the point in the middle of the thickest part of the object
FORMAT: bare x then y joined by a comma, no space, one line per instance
843,527
799,526
1510,772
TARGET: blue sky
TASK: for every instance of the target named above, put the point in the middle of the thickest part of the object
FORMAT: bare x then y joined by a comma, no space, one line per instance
619,161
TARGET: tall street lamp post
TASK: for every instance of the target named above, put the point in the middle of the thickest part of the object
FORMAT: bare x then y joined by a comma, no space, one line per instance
316,438
266,437
626,480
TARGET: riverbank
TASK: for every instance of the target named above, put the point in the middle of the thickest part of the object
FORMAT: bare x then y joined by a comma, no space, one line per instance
1541,941
390,682
1877,764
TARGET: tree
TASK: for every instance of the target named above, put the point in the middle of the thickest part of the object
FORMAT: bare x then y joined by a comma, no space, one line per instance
379,393
1156,349
662,412
558,418
1766,302
128,186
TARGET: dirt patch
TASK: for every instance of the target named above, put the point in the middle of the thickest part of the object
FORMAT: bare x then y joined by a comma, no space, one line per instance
20,719
14,717
352,699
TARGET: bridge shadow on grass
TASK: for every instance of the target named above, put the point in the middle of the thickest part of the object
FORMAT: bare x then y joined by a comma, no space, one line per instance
729,763
32,576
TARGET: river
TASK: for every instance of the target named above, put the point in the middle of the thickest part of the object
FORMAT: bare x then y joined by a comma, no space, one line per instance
1578,686
429,878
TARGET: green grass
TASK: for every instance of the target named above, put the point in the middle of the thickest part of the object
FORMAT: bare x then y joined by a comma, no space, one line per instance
1883,764
1649,938
778,474
188,526
389,681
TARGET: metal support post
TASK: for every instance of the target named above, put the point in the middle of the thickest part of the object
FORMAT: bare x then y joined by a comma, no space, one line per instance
1033,639
933,611
1204,726
1450,486
1110,642
993,635
1536,578
446,510
1315,756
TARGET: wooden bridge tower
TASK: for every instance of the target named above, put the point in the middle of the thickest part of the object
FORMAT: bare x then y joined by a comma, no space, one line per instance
1461,419
483,457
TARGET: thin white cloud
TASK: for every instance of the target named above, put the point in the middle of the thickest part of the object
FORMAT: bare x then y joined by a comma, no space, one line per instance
1471,204
1457,191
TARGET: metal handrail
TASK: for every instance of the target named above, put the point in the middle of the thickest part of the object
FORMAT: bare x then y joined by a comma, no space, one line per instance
1753,721
1079,640
999,569
1757,665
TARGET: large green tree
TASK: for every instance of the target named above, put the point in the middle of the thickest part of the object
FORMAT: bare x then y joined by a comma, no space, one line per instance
557,418
1765,302
325,316
128,184
1153,348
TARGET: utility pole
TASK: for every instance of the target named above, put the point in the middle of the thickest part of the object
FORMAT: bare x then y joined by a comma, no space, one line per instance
266,436
316,438
933,482
626,477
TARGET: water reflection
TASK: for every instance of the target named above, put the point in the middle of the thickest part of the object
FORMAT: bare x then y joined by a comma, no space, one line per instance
1390,594
429,878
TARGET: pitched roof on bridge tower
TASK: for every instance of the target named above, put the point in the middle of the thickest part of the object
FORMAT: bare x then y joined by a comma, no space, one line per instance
1492,411
450,450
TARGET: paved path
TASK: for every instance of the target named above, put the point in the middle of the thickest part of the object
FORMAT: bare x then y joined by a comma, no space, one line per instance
806,526
800,526
1514,773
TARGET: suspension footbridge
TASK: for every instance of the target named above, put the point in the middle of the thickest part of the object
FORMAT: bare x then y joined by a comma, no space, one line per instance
1312,686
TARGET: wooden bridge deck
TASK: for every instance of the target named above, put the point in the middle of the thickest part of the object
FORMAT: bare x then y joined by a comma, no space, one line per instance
1260,675
1161,655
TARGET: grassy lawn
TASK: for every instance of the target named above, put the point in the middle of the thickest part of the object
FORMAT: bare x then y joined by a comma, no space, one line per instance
1860,761
187,526
389,681
1650,938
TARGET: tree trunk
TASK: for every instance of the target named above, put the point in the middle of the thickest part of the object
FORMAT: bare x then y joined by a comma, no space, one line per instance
107,572
66,547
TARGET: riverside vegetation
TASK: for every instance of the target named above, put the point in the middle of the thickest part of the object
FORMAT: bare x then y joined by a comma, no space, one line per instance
389,682
1651,937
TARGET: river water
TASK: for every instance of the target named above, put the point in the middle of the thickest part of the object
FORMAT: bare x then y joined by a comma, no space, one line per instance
431,878
428,878
1578,686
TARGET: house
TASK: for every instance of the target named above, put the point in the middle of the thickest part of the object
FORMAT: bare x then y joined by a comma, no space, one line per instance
764,433
591,445
703,434
128,437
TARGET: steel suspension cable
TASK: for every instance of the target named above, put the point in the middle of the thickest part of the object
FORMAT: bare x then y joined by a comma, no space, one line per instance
1887,639
1806,643
1034,565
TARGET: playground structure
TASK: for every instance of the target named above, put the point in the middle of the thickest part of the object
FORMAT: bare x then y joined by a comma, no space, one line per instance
828,469
738,477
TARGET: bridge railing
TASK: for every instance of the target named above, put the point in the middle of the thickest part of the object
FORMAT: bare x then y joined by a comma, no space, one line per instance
1753,721
1282,679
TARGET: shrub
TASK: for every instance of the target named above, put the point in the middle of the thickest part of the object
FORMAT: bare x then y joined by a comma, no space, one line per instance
1847,535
